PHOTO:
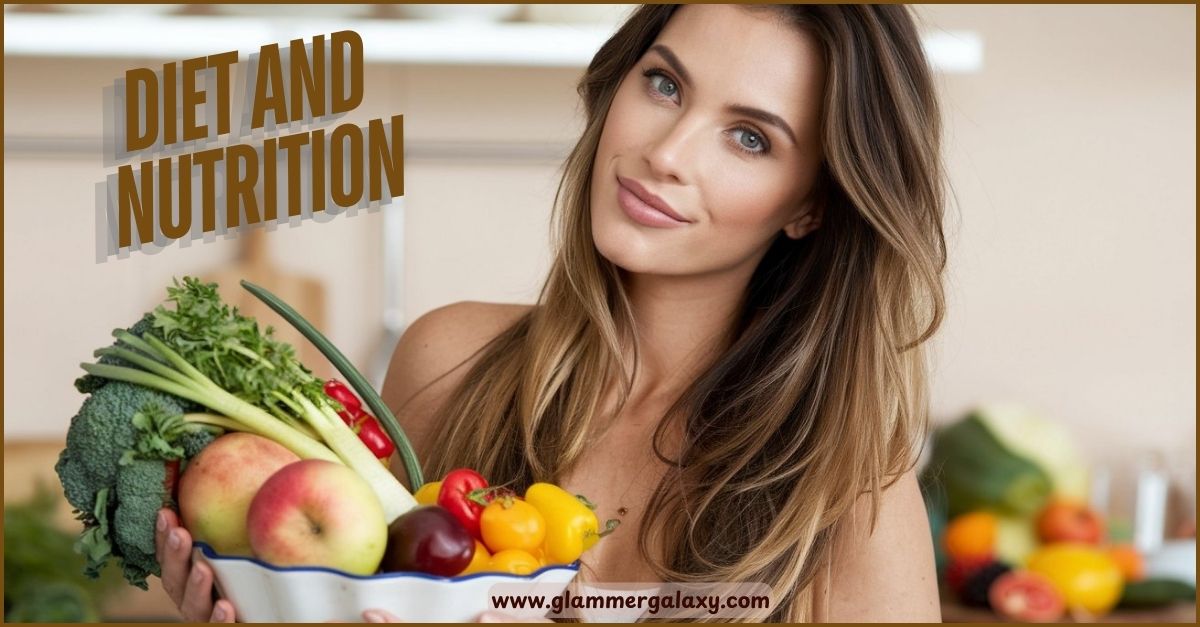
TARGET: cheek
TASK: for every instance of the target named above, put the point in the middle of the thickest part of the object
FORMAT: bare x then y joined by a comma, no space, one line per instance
623,126
754,202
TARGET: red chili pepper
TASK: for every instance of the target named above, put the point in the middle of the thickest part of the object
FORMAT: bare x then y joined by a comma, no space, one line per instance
372,435
352,416
171,480
364,424
339,392
455,496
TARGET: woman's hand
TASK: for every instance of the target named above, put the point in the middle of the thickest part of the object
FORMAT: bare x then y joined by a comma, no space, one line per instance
189,585
491,616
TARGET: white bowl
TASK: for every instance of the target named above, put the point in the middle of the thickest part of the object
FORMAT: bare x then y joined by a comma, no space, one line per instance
1175,559
261,592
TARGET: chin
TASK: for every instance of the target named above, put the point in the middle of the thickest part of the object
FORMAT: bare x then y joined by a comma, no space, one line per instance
621,243
633,251
632,247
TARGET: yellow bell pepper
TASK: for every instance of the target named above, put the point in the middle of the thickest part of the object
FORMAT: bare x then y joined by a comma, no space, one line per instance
571,525
428,493
1088,579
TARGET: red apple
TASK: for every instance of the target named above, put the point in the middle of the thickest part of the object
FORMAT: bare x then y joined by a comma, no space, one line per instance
1069,521
217,485
318,513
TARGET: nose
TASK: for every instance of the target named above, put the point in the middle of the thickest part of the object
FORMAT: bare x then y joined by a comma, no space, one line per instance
669,157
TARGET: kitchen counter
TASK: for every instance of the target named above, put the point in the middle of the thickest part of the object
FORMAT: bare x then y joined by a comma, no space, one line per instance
953,612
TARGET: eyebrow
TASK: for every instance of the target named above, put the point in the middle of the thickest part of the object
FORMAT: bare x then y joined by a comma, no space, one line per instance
765,117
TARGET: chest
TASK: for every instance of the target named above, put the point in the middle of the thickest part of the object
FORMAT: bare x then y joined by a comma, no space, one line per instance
619,474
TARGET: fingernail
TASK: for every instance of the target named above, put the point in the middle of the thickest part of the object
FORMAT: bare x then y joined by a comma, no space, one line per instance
490,617
374,617
162,521
197,575
218,614
174,541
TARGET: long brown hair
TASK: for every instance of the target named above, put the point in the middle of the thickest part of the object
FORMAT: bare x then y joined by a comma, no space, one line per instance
821,395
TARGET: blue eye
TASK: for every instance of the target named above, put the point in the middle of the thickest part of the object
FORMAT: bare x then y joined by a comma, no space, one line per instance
751,141
660,83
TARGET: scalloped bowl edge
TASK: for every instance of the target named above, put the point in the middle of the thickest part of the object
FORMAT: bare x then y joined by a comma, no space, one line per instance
262,592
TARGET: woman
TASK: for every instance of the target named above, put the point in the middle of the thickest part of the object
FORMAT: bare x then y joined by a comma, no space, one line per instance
727,353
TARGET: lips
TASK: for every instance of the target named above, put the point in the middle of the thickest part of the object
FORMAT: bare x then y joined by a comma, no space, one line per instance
644,207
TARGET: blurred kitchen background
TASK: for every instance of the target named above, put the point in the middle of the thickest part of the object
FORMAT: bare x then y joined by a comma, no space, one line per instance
1070,134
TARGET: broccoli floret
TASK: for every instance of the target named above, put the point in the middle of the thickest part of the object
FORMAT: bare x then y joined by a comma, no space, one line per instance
89,383
113,472
76,482
103,430
141,491
194,441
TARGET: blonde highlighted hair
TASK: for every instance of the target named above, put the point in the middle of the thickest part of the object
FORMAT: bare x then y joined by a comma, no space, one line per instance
820,397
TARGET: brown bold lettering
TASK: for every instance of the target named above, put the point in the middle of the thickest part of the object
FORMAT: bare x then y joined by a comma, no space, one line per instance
340,41
386,157
135,207
270,75
239,191
193,98
337,165
134,140
222,62
308,80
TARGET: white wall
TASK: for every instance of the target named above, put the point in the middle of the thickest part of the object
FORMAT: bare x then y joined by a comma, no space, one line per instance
1073,272
1072,280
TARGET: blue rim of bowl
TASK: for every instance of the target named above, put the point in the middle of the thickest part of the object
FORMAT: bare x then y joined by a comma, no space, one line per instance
211,554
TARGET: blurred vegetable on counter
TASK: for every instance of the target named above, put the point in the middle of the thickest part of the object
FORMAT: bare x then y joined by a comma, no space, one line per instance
1156,593
976,471
1044,442
1008,501
1089,580
43,576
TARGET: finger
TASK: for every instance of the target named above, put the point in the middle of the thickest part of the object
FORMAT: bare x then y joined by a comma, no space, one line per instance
222,612
165,522
197,600
380,616
176,562
161,525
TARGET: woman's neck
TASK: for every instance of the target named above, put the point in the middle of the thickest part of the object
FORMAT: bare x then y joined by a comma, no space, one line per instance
682,324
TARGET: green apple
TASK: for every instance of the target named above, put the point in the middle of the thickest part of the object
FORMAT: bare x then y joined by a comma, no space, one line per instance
318,513
217,486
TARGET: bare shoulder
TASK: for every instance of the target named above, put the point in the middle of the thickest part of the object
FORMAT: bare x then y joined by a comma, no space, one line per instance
887,574
434,354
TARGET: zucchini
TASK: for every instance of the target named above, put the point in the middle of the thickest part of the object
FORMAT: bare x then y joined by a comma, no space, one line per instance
977,472
1156,593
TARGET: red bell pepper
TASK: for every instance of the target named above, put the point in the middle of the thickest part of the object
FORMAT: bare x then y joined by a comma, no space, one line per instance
455,496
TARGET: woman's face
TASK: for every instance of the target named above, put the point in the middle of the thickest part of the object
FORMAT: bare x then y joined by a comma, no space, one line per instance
711,145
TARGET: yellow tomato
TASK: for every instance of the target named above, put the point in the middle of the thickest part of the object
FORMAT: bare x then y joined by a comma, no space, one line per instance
509,523
428,493
1088,579
480,561
971,536
514,561
540,554
1129,560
